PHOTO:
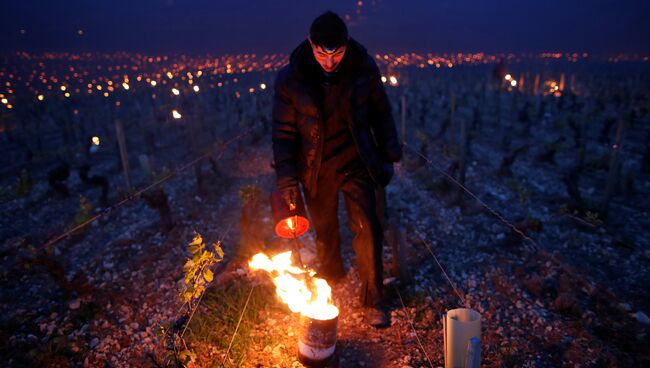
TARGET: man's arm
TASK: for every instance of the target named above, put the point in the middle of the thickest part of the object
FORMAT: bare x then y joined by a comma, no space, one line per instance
381,117
285,135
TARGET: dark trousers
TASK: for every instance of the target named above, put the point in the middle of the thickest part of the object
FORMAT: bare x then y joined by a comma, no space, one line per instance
360,203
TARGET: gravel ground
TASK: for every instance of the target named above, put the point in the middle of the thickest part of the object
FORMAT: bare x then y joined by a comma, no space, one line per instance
578,298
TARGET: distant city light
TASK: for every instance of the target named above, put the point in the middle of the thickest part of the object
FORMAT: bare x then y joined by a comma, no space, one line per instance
153,83
513,83
175,91
95,140
125,85
263,86
176,114
508,77
393,80
383,79
40,97
195,88
4,101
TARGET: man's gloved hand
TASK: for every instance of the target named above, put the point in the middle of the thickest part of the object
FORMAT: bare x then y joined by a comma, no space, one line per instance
290,196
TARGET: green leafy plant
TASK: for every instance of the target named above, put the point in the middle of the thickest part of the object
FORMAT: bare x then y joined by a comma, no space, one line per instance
197,276
593,218
197,269
165,171
24,184
83,214
517,187
250,193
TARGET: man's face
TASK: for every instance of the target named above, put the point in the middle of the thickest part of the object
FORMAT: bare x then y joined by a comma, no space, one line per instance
328,59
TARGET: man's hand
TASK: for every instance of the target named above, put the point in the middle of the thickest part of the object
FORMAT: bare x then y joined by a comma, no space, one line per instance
290,196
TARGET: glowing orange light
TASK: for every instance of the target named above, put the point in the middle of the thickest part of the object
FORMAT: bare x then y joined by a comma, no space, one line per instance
312,299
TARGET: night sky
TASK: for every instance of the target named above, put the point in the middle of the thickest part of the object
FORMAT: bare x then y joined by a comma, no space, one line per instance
200,26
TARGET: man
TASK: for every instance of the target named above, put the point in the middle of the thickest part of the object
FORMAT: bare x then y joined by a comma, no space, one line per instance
333,132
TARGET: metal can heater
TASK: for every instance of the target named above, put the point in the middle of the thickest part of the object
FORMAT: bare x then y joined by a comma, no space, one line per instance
289,222
317,341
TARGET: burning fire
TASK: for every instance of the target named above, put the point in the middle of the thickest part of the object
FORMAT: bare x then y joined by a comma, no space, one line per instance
298,288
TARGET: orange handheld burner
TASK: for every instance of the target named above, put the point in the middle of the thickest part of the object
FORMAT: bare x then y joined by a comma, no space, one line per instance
290,221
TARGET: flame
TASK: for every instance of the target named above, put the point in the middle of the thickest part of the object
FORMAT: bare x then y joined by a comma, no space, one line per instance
303,293
290,223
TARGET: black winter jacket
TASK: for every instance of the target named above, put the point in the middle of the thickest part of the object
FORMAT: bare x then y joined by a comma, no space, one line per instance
298,125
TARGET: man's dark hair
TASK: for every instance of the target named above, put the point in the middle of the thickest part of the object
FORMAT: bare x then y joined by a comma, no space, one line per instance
328,30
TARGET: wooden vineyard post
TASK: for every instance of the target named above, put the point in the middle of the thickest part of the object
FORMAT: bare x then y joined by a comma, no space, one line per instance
612,175
394,235
121,141
452,108
403,119
462,159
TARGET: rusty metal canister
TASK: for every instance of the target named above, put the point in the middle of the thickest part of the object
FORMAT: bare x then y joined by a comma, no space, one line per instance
317,341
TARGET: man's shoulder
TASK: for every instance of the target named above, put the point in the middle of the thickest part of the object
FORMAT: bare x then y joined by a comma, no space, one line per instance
285,74
366,61
370,66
